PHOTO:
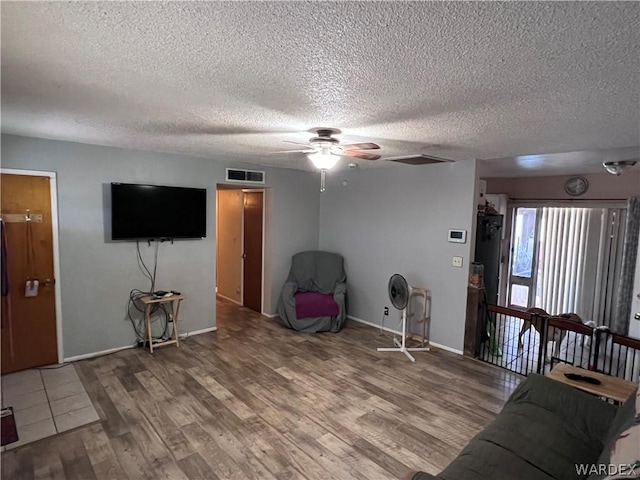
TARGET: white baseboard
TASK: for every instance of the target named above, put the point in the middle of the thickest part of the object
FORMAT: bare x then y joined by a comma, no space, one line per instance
270,315
229,299
197,332
374,325
84,356
448,349
397,332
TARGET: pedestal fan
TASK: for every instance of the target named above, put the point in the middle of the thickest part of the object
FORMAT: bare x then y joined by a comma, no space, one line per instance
399,293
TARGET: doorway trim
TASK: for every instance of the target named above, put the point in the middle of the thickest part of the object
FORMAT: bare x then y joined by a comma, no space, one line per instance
53,189
251,188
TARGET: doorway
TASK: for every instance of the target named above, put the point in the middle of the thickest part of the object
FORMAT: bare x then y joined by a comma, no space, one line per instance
31,321
240,245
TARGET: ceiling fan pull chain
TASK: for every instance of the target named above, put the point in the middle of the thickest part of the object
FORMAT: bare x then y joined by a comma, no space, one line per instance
323,180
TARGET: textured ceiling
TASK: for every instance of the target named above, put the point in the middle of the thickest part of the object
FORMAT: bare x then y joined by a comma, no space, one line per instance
481,80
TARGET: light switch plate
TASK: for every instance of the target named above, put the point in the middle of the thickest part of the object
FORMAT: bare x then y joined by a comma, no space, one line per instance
457,261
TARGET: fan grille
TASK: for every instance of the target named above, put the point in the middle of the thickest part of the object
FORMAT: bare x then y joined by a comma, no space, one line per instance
398,291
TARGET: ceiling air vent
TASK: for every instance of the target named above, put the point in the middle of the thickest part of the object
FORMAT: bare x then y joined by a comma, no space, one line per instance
245,176
419,159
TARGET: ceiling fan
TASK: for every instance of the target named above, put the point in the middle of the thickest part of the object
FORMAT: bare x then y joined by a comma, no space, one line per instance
324,151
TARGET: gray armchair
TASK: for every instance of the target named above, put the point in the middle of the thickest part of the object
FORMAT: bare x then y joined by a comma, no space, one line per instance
313,298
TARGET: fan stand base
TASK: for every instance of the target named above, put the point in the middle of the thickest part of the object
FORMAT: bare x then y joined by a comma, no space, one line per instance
400,346
403,349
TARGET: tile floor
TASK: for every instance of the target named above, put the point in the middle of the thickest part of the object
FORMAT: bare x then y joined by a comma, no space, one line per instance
46,402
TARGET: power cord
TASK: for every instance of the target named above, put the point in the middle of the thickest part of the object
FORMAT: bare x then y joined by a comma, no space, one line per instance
394,332
54,367
136,294
60,365
155,267
386,333
138,327
144,268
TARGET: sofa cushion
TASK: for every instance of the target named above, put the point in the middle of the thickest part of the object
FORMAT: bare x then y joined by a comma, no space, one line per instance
315,304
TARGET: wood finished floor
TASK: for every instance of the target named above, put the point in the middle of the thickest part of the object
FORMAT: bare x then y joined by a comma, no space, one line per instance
257,401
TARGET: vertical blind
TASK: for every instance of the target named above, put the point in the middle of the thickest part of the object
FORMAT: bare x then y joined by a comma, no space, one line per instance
563,237
579,260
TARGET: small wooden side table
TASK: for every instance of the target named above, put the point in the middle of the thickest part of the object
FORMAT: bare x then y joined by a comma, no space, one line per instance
611,387
424,319
173,302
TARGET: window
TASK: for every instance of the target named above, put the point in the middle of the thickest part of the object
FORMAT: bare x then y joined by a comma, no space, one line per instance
524,242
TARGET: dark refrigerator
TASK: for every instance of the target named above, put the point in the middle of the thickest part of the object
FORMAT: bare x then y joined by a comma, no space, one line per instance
488,241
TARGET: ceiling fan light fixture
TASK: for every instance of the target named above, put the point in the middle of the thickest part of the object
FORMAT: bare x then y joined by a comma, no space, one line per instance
323,161
618,168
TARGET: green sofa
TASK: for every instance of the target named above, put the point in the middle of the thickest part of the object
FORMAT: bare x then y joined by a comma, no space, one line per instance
543,431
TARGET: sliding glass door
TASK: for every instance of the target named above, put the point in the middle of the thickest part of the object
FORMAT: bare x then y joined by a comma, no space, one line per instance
566,259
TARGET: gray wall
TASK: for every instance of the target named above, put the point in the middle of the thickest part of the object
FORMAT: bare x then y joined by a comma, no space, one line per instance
396,220
97,275
292,225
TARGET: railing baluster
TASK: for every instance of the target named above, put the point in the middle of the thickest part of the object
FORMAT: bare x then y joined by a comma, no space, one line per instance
500,348
543,341
610,353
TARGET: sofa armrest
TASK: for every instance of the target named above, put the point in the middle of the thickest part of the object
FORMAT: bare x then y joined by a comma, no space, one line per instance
289,290
287,303
341,289
573,406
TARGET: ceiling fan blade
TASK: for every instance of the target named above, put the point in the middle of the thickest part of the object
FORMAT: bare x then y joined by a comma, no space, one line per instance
202,127
361,146
291,151
362,155
297,143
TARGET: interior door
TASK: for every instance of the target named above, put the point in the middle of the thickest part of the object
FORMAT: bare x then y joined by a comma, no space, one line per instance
28,322
252,269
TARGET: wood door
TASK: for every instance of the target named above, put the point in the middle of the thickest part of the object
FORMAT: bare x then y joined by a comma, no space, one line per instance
32,320
252,279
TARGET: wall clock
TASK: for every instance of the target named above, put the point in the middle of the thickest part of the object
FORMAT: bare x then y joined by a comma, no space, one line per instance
576,186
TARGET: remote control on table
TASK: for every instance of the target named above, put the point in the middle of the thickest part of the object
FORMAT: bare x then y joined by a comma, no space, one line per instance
582,378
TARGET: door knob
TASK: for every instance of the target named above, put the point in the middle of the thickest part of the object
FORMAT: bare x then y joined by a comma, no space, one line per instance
244,255
637,316
48,281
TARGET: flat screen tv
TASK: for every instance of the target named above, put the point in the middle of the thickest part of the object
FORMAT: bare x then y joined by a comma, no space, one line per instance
155,212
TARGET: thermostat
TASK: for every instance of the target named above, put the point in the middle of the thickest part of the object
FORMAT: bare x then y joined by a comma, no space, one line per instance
458,236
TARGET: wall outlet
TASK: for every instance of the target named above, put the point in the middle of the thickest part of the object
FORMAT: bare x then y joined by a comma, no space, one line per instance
457,261
386,311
